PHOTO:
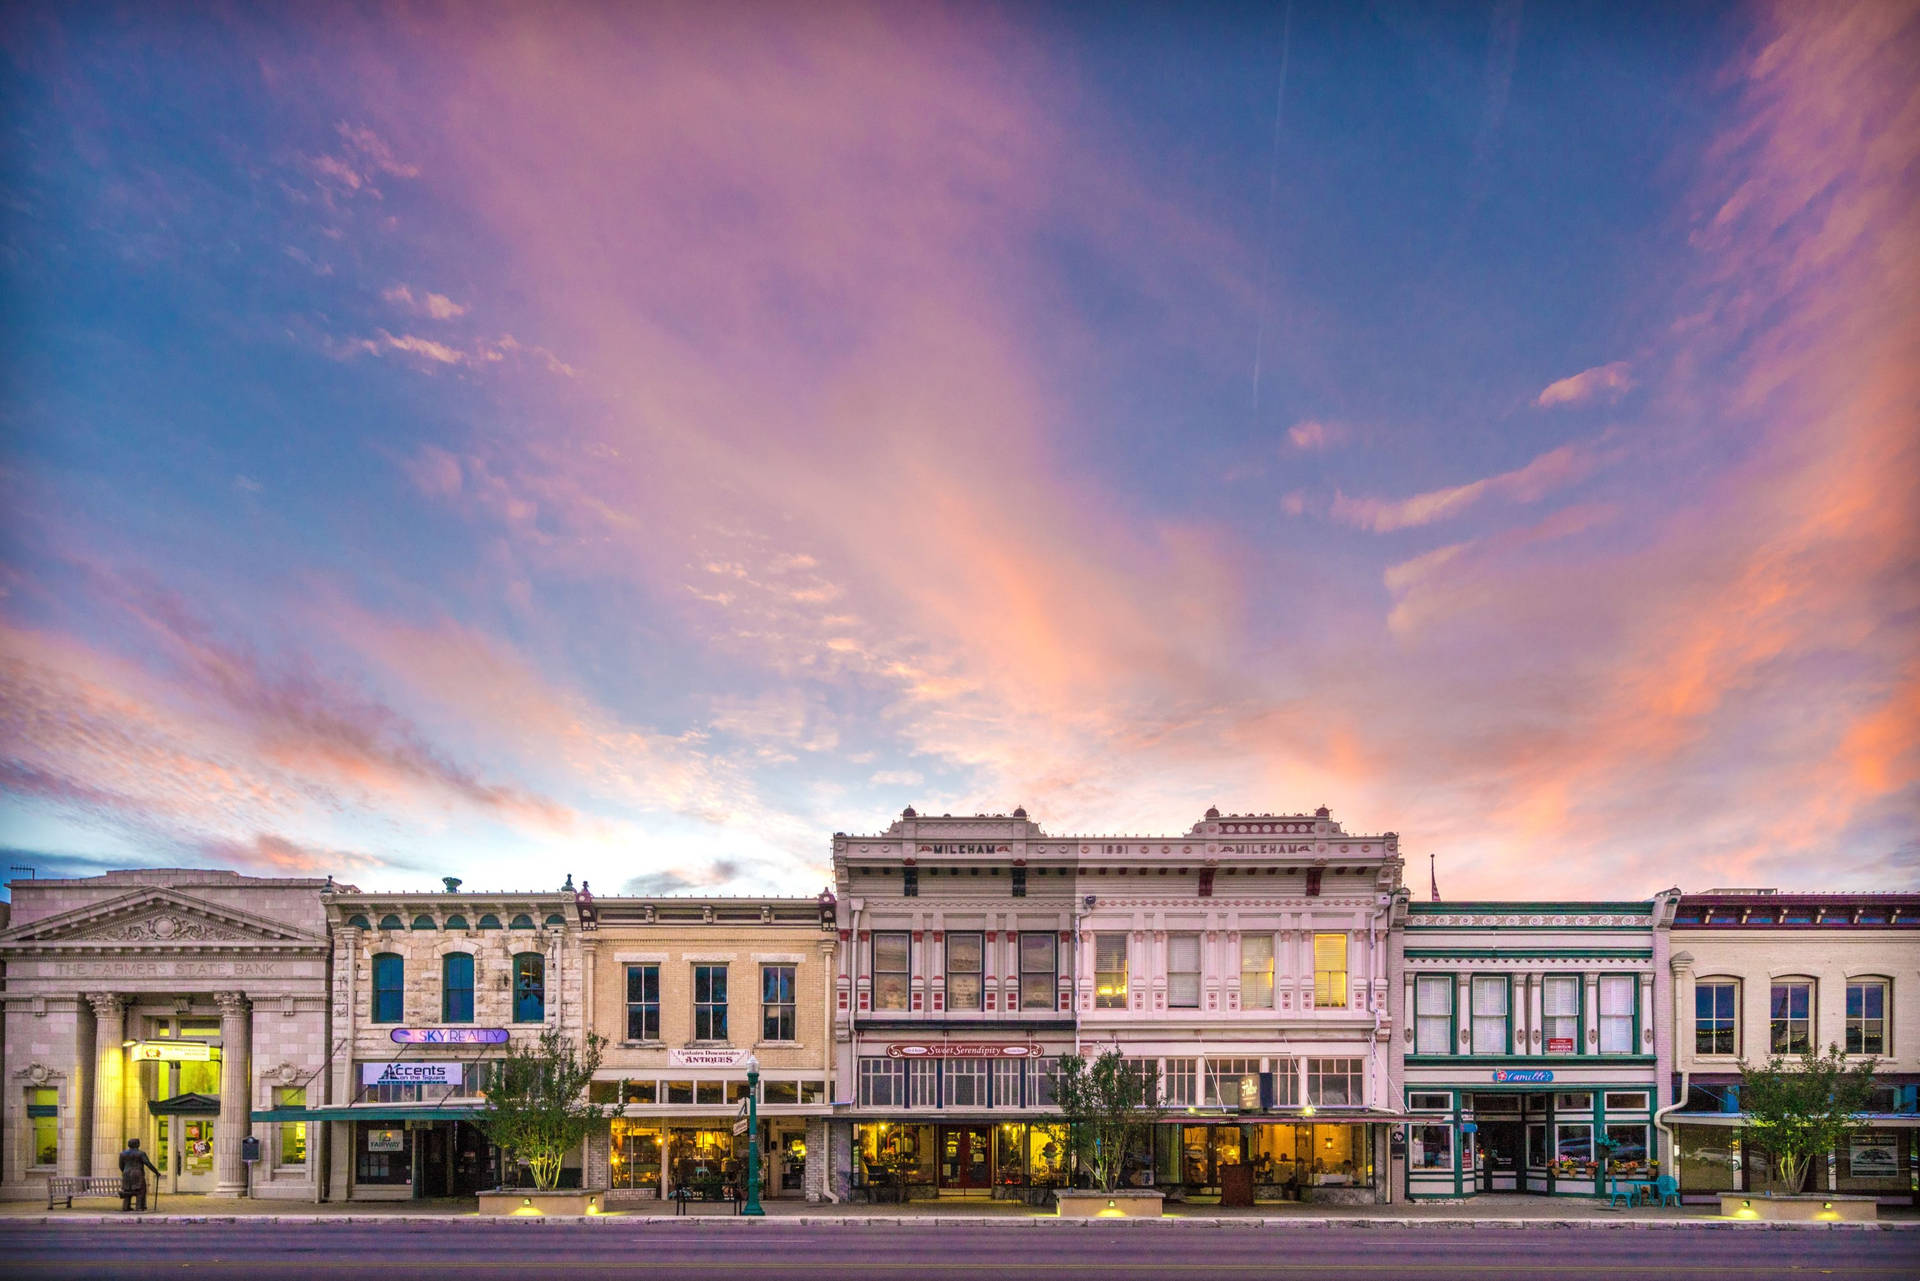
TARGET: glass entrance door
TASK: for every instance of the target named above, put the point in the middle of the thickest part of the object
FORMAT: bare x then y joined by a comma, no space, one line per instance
1500,1143
196,1153
966,1158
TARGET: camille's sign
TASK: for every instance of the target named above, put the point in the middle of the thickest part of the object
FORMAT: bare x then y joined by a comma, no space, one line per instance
962,1050
441,1073
1521,1075
450,1035
706,1058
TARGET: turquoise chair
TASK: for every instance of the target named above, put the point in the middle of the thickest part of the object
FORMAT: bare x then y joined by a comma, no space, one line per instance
1622,1195
1667,1188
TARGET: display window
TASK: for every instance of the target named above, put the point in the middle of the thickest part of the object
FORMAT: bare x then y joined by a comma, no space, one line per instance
893,1152
636,1155
1709,1155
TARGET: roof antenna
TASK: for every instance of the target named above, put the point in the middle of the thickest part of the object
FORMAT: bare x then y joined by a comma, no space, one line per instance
1434,878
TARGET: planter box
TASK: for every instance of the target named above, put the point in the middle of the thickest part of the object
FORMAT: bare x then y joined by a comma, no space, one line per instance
1123,1203
527,1201
1806,1208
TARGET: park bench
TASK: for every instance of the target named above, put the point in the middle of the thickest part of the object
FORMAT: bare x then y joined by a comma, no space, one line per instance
68,1186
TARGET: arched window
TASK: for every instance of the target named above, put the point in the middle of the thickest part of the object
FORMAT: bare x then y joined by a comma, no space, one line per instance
555,918
521,922
391,922
529,988
456,922
389,986
488,921
456,987
424,922
359,923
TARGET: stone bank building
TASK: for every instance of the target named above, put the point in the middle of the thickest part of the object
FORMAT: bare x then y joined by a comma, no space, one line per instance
165,1005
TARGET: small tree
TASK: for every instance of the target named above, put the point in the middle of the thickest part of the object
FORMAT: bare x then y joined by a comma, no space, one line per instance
1108,1105
1802,1108
537,1104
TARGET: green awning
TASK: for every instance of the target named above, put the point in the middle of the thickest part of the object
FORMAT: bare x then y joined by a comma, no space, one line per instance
371,1112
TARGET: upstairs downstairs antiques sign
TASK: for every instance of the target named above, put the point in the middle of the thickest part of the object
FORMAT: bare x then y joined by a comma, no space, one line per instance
696,1056
450,1035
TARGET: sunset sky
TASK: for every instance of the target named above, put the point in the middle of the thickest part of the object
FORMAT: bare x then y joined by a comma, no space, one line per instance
637,441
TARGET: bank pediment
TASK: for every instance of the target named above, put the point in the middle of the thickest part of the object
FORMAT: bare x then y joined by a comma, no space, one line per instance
156,917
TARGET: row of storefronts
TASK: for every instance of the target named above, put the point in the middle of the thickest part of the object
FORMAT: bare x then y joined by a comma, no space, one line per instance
1317,1035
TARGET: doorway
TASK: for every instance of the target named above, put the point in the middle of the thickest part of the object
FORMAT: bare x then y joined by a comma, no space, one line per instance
195,1153
1502,1150
966,1158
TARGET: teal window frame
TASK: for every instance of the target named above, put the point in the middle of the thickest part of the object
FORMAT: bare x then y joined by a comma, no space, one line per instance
388,988
453,966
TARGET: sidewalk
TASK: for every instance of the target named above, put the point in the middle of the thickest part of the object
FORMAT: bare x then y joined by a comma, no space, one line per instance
1485,1211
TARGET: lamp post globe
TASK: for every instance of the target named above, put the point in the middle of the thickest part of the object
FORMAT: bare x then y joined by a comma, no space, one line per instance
752,1205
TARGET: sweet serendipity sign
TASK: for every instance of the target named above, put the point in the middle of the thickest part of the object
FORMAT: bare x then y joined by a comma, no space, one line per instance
697,1057
962,1050
449,1035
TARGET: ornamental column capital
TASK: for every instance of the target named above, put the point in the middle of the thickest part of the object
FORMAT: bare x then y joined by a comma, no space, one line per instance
232,1004
107,1005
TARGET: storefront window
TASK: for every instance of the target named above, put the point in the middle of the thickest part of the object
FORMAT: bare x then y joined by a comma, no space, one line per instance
43,1119
636,1155
1047,1154
701,1158
1573,1151
887,1151
1708,1157
1875,1161
381,1153
1629,1148
293,1134
1430,1147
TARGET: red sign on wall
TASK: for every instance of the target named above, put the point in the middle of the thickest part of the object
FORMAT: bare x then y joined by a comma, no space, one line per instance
1559,1045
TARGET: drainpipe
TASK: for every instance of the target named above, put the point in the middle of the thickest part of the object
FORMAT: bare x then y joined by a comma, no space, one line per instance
1077,917
1676,964
1384,903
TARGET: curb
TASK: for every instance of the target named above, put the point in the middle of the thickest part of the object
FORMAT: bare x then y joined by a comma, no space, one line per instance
719,1222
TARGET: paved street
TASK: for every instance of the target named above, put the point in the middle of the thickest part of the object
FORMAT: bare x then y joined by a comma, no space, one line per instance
930,1250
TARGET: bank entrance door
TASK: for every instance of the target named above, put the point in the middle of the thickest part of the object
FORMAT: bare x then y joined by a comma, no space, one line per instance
966,1159
196,1152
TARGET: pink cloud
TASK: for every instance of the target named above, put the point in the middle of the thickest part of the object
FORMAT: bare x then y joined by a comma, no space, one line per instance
1603,382
1548,472
1310,434
436,306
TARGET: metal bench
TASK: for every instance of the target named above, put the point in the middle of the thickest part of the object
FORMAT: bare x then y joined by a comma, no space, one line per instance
65,1187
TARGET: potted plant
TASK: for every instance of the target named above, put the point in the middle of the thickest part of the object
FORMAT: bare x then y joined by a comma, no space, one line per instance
1108,1105
537,1107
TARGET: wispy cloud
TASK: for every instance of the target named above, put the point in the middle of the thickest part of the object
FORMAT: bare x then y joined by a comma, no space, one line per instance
1605,383
1549,472
425,303
1311,434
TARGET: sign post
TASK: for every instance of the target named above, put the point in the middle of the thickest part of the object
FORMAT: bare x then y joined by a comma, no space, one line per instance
753,1138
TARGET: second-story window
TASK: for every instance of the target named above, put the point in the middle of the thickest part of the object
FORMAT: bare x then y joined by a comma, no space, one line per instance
1560,1013
643,1002
530,988
456,987
709,1002
1183,971
389,987
1791,1021
890,952
777,1003
1329,970
1867,1016
1619,995
964,956
1256,971
1038,967
1110,971
1433,1014
1490,1014
1715,1015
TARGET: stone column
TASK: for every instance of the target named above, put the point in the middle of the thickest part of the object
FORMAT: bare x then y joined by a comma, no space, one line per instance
236,1102
109,1079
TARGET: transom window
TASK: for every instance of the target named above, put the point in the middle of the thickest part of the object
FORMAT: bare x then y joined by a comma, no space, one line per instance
965,956
880,1085
1336,1082
709,1002
1716,1018
643,1002
1790,1020
1867,1016
1233,1083
890,972
1434,1102
1179,1086
1110,971
966,1083
1038,959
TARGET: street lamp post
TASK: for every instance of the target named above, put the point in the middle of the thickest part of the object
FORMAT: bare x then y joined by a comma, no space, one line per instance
753,1138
